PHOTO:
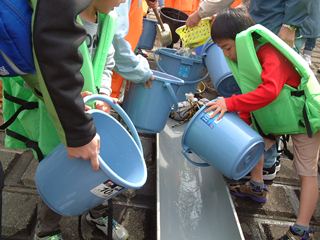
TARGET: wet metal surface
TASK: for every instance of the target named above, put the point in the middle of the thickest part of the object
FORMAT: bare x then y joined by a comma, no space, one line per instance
193,202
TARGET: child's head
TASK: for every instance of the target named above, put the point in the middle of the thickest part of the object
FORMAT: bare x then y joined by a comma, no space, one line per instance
226,26
105,6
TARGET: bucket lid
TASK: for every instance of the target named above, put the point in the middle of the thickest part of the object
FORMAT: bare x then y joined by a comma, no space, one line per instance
173,53
164,77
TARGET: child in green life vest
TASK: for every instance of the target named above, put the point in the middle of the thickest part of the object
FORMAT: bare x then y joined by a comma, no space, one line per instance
48,221
280,95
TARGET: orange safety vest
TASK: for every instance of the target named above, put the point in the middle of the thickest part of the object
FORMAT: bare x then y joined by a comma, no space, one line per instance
187,6
135,31
236,3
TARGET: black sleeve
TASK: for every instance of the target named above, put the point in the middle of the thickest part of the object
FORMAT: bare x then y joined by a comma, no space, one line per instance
56,39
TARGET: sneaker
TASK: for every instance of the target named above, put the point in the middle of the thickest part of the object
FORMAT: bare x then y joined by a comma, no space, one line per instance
247,191
291,235
55,236
118,231
270,173
278,164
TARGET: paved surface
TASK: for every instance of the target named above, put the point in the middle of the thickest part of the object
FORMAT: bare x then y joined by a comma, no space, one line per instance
137,212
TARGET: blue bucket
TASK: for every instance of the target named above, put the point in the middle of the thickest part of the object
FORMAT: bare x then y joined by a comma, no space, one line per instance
149,109
190,69
220,74
70,187
148,35
230,145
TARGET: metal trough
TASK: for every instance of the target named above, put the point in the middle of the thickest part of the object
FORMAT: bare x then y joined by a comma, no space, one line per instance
192,202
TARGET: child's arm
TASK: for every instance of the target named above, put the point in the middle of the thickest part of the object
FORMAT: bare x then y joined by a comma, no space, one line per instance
106,80
207,8
130,66
276,71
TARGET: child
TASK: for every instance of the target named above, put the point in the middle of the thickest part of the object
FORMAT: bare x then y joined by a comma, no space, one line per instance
48,221
278,99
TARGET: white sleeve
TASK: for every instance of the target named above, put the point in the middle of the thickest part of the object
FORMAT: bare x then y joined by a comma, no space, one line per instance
207,8
106,80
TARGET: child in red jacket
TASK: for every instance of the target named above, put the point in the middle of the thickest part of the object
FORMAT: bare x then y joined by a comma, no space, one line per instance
277,71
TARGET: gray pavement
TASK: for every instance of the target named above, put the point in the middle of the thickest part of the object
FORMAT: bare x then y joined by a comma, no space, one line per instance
138,213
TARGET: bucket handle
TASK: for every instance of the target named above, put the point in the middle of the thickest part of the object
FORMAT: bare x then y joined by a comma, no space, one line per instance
120,111
172,94
189,82
187,151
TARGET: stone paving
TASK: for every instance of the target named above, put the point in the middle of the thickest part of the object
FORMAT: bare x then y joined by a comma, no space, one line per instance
138,213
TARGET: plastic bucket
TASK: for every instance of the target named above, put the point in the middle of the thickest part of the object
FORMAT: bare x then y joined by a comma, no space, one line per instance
70,187
191,69
148,35
149,109
220,74
174,18
230,145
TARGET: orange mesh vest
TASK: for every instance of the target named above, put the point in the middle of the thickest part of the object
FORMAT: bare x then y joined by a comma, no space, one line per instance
187,6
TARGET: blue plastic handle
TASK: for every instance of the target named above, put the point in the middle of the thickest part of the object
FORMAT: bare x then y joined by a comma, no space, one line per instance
172,94
188,82
120,111
185,153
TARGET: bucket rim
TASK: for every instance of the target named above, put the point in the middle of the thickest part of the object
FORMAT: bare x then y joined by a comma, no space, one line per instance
150,20
239,175
206,46
171,53
172,19
167,78
108,171
186,131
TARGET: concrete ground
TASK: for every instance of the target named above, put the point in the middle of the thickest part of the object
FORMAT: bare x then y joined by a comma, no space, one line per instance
138,211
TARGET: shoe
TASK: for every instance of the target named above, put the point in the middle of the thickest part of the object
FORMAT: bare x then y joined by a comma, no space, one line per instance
55,236
118,231
247,191
270,173
278,164
291,235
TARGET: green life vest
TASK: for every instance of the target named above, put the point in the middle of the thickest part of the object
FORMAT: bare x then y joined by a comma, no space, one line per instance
294,110
92,69
34,128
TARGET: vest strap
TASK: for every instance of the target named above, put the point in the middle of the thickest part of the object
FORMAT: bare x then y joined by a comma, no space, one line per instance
25,105
297,93
269,136
306,121
28,142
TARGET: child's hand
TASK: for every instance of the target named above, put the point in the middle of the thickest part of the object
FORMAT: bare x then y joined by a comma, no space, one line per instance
153,4
105,106
148,84
84,94
218,107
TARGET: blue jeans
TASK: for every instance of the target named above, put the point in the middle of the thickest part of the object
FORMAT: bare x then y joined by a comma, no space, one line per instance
310,44
270,156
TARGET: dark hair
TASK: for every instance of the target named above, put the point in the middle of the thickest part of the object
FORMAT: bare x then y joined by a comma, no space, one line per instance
229,23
